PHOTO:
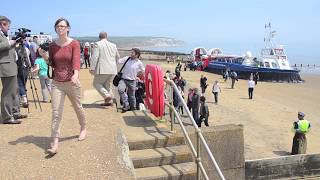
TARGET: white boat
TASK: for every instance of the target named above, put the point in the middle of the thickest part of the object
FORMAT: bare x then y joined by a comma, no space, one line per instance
273,56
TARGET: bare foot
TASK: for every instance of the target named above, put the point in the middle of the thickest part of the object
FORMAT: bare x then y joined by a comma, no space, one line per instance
53,147
83,133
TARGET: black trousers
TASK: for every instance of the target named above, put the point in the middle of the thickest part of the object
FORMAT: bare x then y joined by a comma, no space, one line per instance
232,82
204,119
87,61
195,115
22,81
250,91
215,97
203,89
299,144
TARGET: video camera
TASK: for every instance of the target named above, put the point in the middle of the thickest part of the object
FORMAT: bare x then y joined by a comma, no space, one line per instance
21,34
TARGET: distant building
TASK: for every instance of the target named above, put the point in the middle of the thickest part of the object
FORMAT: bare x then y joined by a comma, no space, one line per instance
42,37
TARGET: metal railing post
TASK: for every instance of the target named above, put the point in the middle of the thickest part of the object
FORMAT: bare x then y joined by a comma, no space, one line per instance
201,172
198,154
171,106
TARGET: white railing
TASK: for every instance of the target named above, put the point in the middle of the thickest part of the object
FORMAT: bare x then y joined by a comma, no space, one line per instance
200,139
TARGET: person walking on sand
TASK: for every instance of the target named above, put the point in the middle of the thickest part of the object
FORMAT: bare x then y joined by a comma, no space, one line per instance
86,54
203,84
189,99
251,85
256,77
64,57
226,74
216,90
234,78
104,67
204,112
301,127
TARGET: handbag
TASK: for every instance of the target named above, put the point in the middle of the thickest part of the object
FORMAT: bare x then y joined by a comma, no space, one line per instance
118,77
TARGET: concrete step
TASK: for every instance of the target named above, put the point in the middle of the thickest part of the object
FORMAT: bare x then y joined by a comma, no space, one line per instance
182,171
161,156
155,140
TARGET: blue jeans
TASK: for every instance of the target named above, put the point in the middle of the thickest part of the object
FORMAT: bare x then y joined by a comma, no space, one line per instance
22,80
127,90
195,115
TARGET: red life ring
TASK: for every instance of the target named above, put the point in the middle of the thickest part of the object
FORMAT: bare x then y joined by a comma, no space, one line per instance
154,89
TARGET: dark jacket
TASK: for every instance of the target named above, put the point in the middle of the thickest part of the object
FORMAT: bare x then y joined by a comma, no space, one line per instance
204,110
203,82
195,102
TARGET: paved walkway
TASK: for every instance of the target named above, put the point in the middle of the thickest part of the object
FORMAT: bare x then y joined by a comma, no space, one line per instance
22,147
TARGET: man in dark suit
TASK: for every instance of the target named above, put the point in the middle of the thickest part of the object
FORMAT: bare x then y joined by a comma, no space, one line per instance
10,112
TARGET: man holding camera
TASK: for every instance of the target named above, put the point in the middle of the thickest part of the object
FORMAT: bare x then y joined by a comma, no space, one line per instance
10,112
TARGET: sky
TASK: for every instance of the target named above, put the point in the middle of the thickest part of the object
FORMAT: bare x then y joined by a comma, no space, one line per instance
231,23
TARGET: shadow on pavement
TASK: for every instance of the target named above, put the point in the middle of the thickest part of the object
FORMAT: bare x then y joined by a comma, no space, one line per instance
41,142
142,119
90,106
281,153
245,98
139,121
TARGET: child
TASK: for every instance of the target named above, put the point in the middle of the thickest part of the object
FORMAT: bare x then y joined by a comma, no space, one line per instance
41,66
140,92
204,112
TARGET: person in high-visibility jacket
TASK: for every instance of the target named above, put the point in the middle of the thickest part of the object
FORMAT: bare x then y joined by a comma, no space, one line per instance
300,127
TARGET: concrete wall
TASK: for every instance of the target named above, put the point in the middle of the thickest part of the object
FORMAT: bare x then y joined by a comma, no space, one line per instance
226,143
283,167
150,56
123,156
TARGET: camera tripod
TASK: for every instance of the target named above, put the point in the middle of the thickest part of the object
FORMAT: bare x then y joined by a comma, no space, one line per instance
34,92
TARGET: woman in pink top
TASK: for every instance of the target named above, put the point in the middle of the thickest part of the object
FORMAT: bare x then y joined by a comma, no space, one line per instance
64,57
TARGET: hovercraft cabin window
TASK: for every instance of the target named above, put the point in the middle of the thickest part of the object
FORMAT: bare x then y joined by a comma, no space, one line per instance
266,64
275,65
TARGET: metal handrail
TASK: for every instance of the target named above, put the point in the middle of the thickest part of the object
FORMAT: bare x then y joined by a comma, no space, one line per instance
200,138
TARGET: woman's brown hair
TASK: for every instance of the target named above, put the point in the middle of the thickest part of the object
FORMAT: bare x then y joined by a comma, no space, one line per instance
59,20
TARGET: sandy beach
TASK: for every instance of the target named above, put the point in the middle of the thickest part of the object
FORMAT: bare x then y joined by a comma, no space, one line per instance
268,117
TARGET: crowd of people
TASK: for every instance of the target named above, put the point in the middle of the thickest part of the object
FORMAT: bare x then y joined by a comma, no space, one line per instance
196,103
19,58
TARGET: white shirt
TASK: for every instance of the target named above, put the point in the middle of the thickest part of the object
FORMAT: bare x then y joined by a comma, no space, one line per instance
216,88
132,68
251,84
